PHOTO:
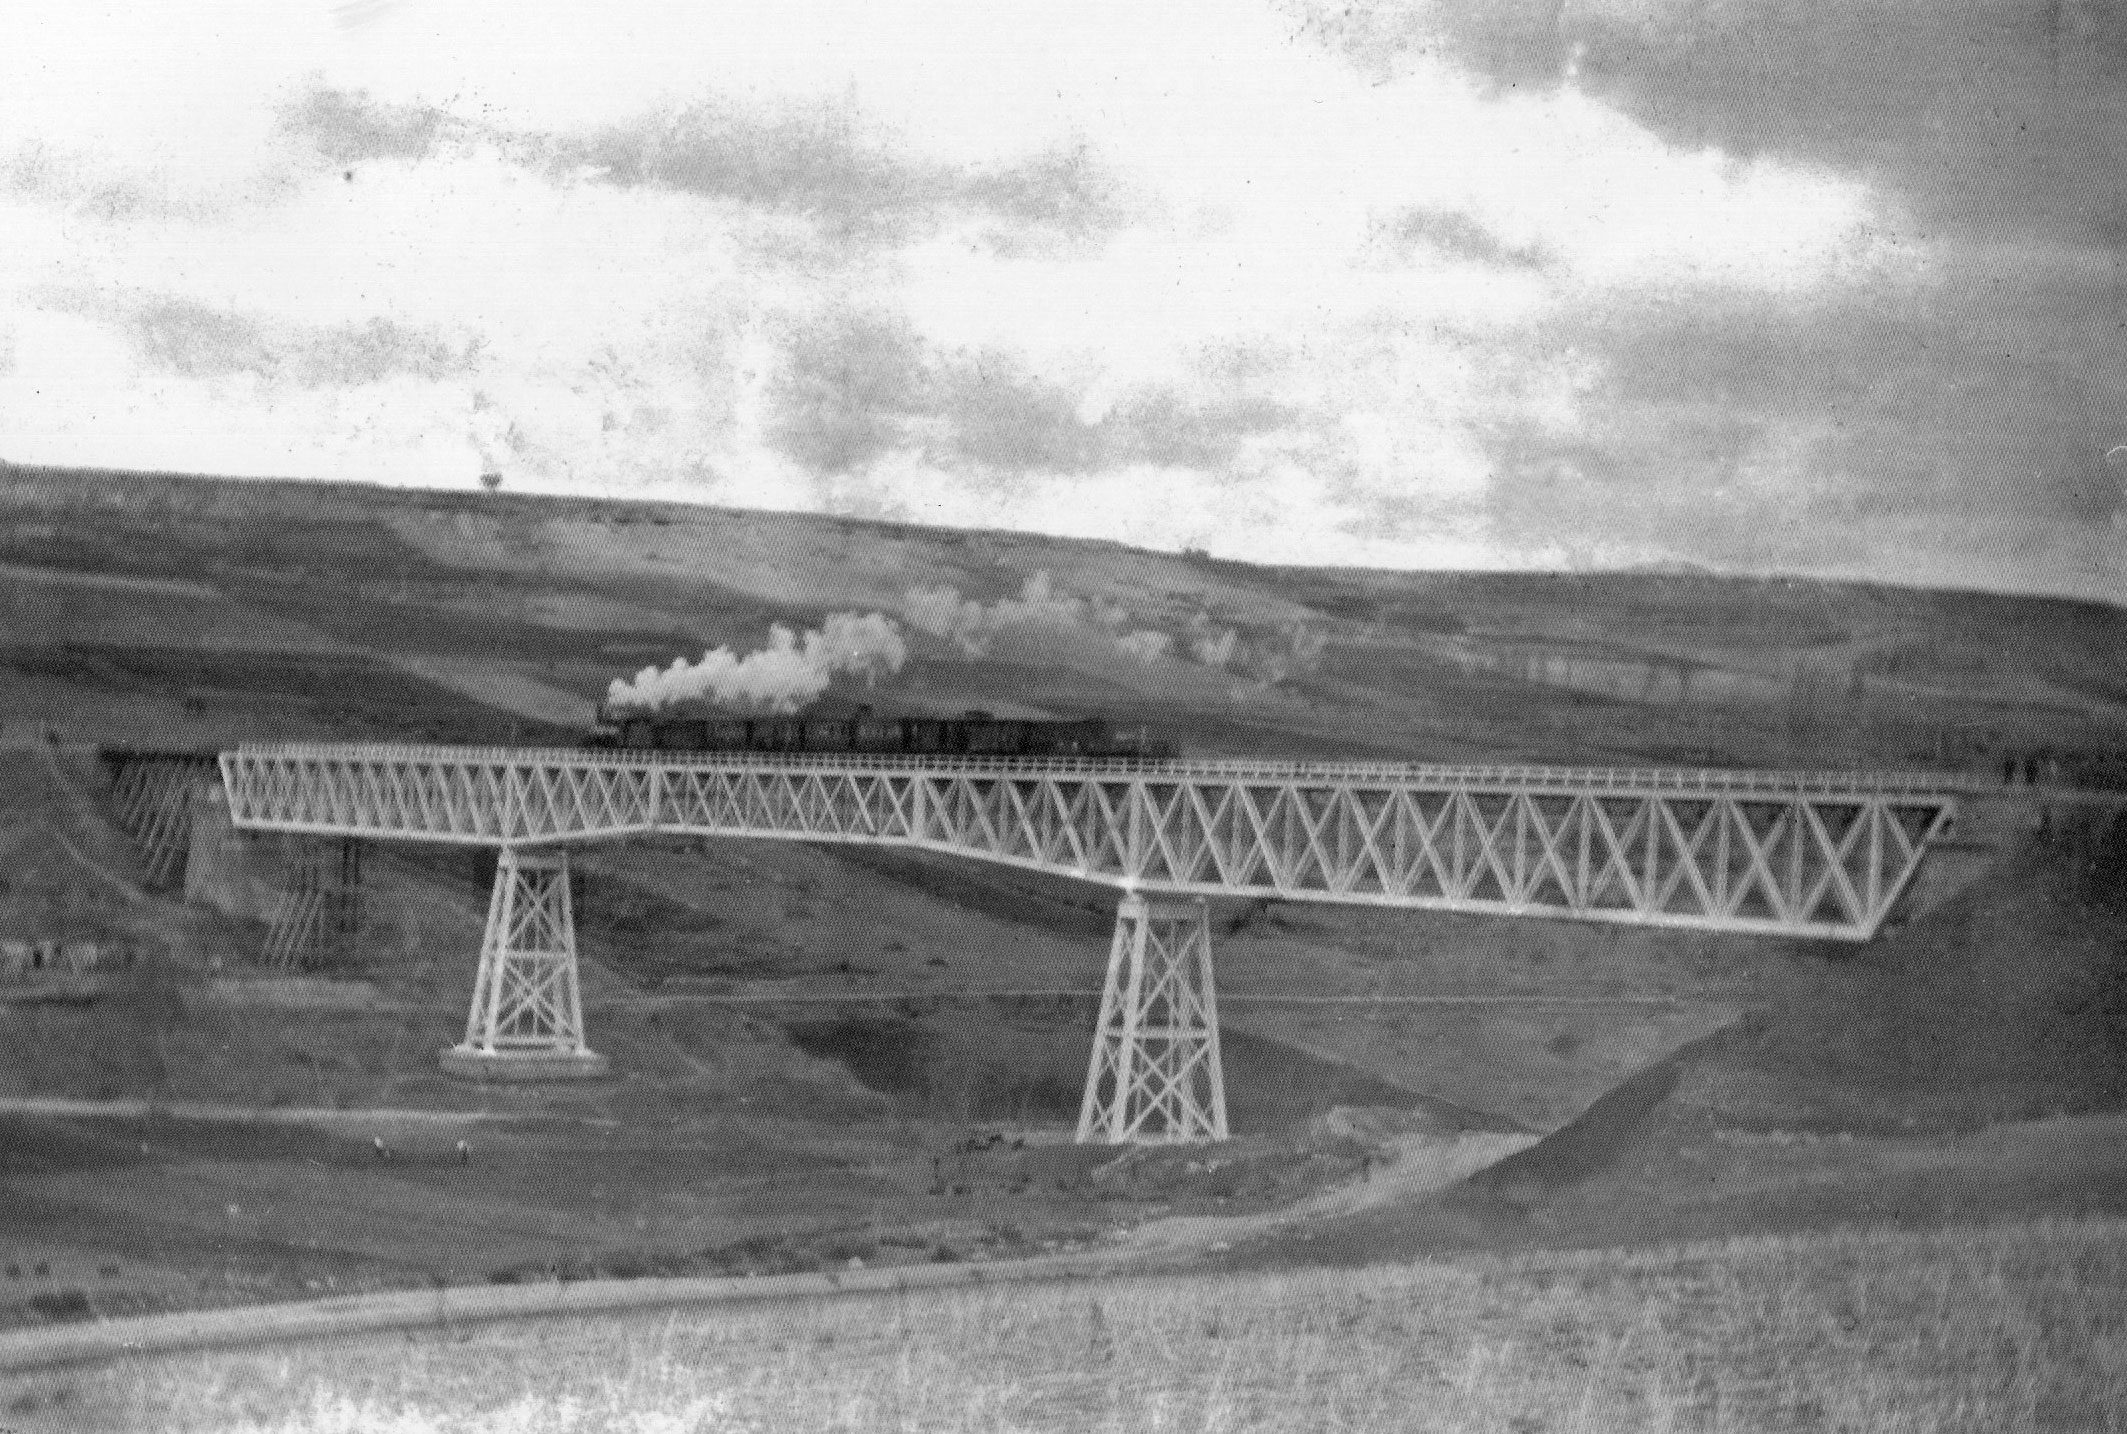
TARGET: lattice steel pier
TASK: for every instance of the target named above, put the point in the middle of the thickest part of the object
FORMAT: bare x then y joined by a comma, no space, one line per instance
1155,1077
1824,855
526,1021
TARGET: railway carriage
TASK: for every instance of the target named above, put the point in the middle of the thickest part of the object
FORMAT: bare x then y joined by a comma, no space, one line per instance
683,727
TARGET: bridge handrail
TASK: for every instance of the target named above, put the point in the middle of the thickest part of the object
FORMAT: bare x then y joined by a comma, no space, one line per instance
1712,780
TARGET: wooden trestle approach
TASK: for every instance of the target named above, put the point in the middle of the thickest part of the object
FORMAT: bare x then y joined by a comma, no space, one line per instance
152,793
1824,855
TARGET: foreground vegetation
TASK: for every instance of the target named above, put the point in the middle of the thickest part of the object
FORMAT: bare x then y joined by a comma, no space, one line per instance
1990,1328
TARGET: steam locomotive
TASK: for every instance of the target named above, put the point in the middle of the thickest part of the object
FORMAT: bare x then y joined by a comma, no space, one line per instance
974,733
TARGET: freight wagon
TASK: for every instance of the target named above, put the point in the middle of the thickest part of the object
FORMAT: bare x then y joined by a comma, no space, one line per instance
973,733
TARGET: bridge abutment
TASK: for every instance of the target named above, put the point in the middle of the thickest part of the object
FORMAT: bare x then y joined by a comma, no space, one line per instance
1155,1077
526,1021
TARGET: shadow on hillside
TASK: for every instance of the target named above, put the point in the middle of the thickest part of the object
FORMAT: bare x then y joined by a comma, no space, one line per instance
1973,1065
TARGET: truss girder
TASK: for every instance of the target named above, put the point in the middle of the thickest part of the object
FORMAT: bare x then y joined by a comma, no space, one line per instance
1825,857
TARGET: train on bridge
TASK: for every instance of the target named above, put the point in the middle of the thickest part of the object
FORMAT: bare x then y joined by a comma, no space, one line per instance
681,727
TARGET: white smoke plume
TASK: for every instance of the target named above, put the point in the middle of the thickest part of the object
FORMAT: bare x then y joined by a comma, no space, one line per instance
1145,645
1268,662
782,677
1045,624
1300,651
1039,617
1213,647
1265,661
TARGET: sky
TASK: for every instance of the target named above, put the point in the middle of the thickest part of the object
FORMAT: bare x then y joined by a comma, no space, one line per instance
1756,285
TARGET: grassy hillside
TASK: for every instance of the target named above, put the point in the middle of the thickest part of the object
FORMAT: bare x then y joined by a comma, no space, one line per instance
206,609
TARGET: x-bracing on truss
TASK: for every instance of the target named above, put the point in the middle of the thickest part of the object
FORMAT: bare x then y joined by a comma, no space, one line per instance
1793,854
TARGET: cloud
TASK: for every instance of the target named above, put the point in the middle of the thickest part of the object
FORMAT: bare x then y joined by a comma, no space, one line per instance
858,385
352,128
1945,423
824,162
850,385
1066,191
1457,236
1756,434
1162,425
813,161
1989,117
198,342
1392,284
1003,417
353,15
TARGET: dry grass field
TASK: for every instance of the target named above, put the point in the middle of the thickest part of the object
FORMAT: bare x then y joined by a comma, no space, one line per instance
2018,1327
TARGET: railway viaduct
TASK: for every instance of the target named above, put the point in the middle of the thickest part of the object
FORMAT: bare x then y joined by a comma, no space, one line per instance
1821,855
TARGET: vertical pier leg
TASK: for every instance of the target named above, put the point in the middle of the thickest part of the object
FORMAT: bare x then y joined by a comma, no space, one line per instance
1155,1077
526,1021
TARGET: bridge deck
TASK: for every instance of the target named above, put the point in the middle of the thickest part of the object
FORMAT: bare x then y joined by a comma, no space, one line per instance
1707,779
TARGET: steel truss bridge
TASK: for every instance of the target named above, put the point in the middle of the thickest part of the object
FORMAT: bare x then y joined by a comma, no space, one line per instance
1798,854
